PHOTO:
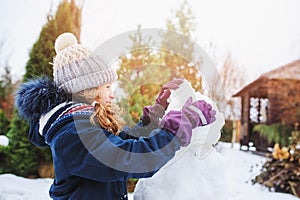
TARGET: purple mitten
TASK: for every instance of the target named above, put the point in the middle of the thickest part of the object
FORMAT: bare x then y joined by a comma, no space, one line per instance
200,113
165,92
177,123
152,114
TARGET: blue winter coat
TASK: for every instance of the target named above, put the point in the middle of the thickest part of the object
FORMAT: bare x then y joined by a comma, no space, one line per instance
89,162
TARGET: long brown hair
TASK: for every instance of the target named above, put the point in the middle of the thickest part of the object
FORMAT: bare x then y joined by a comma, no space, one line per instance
107,117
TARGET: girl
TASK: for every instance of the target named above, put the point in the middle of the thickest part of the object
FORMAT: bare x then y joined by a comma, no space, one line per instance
93,154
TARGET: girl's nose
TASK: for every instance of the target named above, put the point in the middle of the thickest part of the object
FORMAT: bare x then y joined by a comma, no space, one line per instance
111,95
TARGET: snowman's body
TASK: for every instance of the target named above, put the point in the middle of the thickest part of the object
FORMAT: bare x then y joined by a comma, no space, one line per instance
197,171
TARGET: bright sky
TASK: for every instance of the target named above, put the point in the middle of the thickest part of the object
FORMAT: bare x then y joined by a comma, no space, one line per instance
260,34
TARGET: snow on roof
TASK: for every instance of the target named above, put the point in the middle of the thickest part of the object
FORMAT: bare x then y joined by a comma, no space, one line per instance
288,71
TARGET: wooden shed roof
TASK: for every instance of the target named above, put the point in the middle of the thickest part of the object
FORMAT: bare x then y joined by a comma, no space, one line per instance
288,71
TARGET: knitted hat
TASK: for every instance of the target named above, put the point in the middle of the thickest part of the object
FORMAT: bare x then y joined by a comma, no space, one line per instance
76,68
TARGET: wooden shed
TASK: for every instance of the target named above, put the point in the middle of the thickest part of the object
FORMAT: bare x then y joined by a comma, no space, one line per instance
272,98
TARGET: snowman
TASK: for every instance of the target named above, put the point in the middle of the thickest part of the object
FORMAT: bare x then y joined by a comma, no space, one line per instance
196,171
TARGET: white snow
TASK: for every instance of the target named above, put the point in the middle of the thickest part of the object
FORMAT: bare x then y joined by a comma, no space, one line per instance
18,188
241,168
238,175
3,140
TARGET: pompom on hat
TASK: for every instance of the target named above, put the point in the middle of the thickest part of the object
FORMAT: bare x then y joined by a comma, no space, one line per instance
76,68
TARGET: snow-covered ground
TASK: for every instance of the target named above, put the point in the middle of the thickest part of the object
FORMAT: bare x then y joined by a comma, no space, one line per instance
241,167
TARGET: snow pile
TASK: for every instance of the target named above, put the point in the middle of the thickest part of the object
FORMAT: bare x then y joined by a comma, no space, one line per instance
240,168
18,188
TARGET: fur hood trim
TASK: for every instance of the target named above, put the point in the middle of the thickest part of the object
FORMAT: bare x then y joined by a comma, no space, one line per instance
38,96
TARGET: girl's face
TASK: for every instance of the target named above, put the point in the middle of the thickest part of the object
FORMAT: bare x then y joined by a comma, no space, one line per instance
105,94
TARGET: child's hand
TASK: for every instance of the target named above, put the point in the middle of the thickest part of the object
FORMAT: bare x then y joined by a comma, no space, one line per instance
165,92
200,113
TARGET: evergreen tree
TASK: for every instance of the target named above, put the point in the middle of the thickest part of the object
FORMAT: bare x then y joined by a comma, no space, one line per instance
143,70
185,64
140,75
25,157
4,150
4,123
6,106
6,92
66,19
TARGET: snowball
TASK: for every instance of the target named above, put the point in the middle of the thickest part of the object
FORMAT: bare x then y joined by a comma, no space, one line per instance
3,140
